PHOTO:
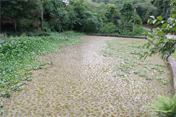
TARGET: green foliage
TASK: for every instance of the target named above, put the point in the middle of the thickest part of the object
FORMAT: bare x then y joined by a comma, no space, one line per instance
127,11
6,94
162,45
110,13
85,20
17,56
108,28
162,79
137,32
138,20
163,8
21,14
91,22
79,15
99,1
164,106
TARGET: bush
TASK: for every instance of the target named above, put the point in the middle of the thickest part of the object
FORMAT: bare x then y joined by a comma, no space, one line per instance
46,27
164,106
138,20
108,28
17,56
137,32
55,26
91,22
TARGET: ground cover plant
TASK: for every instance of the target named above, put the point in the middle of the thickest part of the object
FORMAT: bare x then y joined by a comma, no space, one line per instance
130,54
18,57
164,106
130,69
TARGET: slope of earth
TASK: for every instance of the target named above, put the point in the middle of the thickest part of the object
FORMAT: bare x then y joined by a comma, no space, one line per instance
93,78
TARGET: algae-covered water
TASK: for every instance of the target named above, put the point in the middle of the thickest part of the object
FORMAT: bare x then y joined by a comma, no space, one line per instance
100,77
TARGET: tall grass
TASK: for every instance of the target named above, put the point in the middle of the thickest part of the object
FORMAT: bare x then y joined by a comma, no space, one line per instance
17,56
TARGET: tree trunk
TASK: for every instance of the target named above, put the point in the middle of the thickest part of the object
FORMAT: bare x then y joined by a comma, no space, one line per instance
171,11
0,19
15,25
134,19
41,14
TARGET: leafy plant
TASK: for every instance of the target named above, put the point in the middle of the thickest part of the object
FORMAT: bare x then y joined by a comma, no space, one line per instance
108,28
142,75
6,94
17,56
149,78
17,87
126,79
162,79
164,106
1,112
160,43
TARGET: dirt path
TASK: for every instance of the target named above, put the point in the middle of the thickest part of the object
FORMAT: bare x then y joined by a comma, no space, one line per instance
80,83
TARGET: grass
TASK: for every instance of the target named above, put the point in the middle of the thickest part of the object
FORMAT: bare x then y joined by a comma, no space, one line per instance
18,57
151,73
128,52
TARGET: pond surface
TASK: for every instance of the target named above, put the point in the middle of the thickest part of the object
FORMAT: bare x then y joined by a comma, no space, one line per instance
94,78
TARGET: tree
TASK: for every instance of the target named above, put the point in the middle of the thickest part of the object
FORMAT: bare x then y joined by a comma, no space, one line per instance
22,14
110,13
126,12
146,4
163,8
161,44
42,14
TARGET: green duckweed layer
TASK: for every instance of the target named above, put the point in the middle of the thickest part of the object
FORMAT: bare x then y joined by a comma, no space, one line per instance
93,78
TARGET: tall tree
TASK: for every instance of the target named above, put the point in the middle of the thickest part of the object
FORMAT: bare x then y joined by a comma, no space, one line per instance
145,4
42,14
161,44
126,12
21,13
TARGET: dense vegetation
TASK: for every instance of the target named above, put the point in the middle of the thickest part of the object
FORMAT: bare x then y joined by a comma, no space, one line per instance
18,57
161,44
123,17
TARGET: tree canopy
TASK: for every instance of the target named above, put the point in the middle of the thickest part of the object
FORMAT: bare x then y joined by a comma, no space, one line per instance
90,16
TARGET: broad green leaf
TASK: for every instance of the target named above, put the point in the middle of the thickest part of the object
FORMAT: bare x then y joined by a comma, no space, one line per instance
174,28
160,34
159,22
173,0
173,15
159,17
164,25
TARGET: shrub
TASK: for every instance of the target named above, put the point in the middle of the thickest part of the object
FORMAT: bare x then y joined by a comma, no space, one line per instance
17,56
91,22
108,28
138,20
164,106
137,32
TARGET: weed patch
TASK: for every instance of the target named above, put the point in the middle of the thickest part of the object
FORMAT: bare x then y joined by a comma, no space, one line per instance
18,57
139,74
